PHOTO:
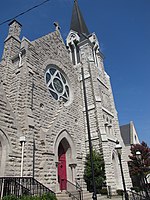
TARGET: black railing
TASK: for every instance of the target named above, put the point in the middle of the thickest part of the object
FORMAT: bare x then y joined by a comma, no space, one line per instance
74,190
78,187
109,192
136,196
20,186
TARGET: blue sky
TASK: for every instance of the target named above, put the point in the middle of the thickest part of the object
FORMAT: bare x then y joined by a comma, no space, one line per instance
123,29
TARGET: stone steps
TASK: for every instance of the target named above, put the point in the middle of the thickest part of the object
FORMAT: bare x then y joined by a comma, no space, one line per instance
63,196
86,196
102,197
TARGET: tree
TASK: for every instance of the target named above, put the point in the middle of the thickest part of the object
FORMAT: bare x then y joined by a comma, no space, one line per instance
99,172
139,168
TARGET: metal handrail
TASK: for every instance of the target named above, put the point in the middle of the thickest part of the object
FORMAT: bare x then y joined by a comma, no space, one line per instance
20,186
79,187
136,196
73,190
109,192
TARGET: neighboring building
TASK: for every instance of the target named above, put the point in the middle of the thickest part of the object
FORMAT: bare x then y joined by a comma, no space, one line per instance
41,98
129,136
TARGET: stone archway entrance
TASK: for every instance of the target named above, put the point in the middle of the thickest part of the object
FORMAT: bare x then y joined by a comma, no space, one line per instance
62,171
64,157
66,163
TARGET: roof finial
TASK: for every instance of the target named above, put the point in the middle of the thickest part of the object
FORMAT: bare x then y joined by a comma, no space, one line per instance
56,24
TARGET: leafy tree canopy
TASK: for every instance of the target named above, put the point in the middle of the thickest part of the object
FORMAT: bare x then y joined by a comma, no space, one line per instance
142,165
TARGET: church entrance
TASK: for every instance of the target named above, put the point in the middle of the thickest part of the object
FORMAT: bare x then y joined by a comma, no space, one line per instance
62,171
66,163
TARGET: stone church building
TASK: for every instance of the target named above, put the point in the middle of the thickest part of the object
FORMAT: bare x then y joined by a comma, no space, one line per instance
42,105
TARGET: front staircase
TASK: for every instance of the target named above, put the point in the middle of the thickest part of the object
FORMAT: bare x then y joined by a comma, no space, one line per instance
64,195
86,196
70,191
19,186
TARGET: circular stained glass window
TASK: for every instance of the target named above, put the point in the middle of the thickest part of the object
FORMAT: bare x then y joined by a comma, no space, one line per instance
57,84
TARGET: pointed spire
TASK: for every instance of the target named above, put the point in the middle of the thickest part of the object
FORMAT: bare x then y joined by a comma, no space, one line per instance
77,21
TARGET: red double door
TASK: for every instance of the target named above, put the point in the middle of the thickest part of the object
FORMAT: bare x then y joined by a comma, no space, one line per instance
62,172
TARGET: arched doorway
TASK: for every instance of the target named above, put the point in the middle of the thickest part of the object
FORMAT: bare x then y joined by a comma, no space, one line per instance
62,171
64,155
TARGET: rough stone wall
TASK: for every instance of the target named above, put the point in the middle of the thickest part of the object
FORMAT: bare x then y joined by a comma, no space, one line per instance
9,137
38,116
55,117
118,136
103,118
33,113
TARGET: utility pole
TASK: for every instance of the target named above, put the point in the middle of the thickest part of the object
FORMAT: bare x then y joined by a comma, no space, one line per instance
89,135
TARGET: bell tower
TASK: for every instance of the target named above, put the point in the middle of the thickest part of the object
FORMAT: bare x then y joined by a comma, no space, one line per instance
84,50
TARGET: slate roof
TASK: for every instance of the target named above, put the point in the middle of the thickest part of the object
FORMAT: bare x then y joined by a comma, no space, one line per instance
126,134
77,22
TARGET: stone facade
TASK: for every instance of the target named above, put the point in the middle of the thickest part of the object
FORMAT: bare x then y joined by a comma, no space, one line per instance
37,115
104,126
54,117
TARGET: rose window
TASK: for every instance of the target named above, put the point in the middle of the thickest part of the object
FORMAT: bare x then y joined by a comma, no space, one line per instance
57,84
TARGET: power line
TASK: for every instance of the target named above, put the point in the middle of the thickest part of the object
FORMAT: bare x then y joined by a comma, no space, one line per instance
36,6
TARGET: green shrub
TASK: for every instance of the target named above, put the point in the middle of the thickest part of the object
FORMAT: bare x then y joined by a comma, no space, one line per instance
119,192
47,196
136,189
99,172
27,197
10,197
103,191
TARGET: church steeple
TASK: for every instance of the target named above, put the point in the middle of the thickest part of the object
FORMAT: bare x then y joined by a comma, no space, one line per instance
79,35
77,22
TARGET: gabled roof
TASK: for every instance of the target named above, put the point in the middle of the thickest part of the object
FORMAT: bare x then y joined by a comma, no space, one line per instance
129,134
126,134
77,21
